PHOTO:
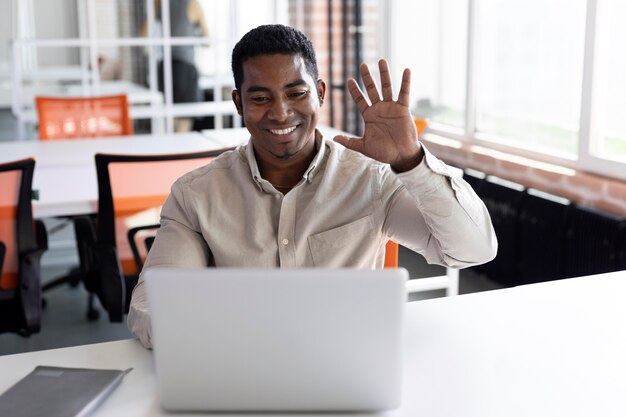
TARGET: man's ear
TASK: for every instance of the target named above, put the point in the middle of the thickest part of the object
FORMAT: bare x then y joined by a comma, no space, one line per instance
237,100
321,90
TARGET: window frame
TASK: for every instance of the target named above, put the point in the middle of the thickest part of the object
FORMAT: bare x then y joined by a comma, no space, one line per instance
89,42
585,159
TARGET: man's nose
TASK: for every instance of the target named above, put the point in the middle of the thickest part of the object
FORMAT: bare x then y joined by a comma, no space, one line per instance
280,110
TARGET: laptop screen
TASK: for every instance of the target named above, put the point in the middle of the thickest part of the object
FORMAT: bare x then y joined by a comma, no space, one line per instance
277,339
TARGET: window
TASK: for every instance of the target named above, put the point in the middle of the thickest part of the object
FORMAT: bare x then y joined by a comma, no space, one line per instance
540,78
436,52
611,82
529,67
93,47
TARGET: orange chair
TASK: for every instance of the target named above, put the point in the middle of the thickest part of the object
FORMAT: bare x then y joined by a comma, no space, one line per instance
420,125
22,242
131,191
391,254
83,117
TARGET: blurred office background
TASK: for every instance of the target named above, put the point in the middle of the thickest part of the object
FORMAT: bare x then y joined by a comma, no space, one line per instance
524,94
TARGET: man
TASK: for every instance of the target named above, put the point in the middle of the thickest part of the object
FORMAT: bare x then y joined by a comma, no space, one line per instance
290,198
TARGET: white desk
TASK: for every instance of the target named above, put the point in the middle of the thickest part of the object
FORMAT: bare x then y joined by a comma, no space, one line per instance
65,173
551,349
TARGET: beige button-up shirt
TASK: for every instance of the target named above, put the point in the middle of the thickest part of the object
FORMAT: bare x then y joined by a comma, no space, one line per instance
340,214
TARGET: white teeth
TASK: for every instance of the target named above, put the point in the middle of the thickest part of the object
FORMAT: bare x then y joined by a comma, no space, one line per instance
283,131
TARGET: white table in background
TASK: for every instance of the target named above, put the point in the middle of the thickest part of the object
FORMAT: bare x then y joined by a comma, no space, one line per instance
65,173
550,349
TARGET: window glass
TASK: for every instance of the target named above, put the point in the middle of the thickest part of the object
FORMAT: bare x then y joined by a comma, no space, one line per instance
529,72
215,58
435,48
611,81
49,19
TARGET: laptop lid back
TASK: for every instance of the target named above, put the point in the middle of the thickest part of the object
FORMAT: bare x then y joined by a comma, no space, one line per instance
277,339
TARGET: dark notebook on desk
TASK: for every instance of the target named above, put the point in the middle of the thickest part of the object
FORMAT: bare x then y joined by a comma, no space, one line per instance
54,392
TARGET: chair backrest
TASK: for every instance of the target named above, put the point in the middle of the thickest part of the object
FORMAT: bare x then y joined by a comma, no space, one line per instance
3,249
131,191
19,276
10,181
15,185
83,117
391,254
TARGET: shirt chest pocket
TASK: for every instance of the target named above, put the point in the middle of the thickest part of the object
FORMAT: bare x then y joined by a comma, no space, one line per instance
352,245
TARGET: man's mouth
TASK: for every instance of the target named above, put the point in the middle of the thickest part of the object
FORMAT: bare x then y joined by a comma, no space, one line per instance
281,132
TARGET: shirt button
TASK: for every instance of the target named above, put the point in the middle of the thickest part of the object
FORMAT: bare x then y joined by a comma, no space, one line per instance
285,241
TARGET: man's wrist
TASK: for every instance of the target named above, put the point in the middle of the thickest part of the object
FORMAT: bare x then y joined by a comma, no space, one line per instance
409,163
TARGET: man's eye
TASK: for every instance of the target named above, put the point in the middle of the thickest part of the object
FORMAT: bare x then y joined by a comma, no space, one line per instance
259,99
300,93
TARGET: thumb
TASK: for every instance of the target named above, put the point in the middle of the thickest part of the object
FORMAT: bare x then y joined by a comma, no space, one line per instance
356,144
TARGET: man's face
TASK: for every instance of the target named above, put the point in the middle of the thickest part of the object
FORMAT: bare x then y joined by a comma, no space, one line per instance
280,105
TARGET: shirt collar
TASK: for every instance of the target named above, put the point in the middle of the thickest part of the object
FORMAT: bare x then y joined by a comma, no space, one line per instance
309,174
320,145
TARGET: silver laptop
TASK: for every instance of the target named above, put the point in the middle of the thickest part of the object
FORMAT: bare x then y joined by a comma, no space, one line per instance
277,339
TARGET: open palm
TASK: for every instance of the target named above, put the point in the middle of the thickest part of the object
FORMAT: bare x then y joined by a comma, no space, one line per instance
390,135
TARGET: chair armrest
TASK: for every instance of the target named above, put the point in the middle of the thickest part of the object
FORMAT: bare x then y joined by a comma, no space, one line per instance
3,249
133,244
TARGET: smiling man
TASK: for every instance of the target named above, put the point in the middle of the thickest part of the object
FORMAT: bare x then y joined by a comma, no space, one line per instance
290,198
280,103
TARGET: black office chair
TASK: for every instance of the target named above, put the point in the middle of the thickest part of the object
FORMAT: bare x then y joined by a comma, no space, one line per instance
136,236
127,185
23,241
3,250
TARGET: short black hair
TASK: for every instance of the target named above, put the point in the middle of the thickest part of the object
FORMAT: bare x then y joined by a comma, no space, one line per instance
269,40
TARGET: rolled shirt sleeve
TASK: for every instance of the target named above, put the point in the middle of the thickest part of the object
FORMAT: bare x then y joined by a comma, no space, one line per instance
461,233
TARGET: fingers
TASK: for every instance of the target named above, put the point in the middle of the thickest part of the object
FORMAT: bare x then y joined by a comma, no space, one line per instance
385,80
357,95
370,85
386,86
356,144
405,88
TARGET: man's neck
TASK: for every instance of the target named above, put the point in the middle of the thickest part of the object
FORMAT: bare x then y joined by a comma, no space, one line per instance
284,174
